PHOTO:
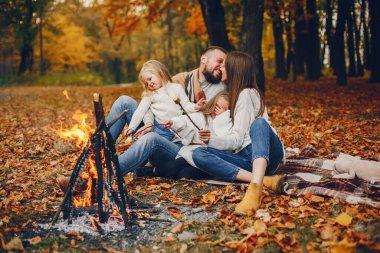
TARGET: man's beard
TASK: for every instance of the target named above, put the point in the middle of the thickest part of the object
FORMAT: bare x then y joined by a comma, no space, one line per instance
210,78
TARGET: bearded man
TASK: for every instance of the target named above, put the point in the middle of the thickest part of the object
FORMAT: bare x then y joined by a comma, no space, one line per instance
205,81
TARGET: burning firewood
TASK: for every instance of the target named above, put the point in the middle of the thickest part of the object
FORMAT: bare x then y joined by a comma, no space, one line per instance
105,185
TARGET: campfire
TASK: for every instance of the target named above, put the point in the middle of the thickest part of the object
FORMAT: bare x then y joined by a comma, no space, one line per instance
98,164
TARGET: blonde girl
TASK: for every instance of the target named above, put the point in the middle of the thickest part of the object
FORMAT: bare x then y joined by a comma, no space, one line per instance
161,97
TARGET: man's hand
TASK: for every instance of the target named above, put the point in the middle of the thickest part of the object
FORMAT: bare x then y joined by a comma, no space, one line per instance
204,135
144,130
168,124
200,103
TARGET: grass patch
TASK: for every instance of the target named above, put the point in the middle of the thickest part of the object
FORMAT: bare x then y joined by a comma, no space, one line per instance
55,79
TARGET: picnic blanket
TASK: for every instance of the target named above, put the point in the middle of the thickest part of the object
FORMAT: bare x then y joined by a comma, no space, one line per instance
305,173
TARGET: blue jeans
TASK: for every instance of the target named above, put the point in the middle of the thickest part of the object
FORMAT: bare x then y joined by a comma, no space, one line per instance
151,146
264,143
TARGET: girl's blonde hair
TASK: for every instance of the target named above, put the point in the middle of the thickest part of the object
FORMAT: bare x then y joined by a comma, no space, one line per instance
156,68
209,107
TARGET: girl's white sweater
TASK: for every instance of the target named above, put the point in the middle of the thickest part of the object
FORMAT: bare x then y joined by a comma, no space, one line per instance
161,104
188,133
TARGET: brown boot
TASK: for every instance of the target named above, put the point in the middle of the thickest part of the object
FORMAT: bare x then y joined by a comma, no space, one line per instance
251,201
274,183
63,183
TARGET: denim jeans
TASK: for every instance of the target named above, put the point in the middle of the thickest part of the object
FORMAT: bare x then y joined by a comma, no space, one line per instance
151,146
264,143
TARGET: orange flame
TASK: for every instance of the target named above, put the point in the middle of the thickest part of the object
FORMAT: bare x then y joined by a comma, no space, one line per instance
80,132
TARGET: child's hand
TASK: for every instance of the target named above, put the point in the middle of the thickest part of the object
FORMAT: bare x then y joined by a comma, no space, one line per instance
128,132
204,135
168,123
218,110
200,103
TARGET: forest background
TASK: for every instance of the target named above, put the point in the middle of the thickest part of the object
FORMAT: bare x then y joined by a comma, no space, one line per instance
48,42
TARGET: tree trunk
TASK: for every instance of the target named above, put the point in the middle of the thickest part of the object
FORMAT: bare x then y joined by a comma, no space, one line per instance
359,65
299,29
350,44
329,33
365,35
252,30
42,65
374,24
278,31
343,9
213,15
312,47
289,42
27,35
169,25
116,69
131,70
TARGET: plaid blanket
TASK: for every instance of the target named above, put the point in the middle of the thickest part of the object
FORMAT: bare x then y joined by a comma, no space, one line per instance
307,174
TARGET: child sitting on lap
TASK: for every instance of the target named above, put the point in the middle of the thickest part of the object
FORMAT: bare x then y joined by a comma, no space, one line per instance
214,116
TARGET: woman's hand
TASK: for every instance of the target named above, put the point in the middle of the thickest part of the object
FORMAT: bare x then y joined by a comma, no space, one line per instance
200,103
168,124
204,135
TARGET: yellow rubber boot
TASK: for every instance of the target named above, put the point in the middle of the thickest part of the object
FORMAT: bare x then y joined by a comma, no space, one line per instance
274,183
251,201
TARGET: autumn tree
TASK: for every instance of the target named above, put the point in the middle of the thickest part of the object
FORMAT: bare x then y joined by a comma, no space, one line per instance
340,59
374,24
363,19
312,45
350,42
252,30
213,15
22,16
278,30
300,39
67,48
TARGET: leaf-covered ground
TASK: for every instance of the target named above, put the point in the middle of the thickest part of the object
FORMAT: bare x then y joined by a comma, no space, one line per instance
345,119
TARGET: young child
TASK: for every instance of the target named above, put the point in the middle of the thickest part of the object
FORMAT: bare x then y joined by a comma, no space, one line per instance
214,116
161,98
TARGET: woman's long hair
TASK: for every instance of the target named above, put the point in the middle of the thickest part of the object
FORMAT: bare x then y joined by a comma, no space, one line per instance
156,68
240,75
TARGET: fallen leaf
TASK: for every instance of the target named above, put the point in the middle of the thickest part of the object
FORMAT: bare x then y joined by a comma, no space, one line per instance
170,239
177,228
165,186
175,212
343,246
329,233
344,219
14,244
35,240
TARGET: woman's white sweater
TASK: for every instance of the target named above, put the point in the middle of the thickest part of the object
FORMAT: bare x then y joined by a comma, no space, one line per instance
188,133
246,109
161,104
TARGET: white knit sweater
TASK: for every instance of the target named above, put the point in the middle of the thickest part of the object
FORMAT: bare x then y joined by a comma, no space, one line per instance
246,109
161,104
188,133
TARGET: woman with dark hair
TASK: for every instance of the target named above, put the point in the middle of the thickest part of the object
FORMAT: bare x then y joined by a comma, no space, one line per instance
254,143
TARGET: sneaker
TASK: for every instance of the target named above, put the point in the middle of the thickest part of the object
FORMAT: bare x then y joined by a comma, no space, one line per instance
63,183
